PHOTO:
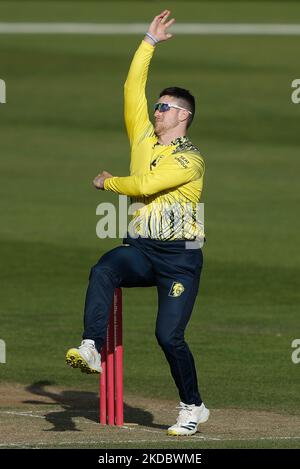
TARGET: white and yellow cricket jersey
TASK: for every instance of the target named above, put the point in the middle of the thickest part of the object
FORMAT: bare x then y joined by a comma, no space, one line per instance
166,179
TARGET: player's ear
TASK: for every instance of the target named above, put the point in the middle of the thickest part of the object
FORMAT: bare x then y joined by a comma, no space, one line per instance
183,115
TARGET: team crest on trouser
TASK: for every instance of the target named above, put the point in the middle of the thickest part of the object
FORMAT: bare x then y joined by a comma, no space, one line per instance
176,289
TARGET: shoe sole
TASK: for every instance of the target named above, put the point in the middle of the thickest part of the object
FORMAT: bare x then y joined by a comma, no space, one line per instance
75,360
175,433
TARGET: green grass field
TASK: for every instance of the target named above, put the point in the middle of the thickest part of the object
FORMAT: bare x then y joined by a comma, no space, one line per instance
63,122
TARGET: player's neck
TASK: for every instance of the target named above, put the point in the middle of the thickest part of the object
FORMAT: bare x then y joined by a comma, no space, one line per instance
168,137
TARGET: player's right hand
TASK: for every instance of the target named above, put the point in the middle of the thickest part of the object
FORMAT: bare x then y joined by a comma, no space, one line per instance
159,26
98,182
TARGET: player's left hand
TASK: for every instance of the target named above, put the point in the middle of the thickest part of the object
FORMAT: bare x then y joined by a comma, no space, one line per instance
98,182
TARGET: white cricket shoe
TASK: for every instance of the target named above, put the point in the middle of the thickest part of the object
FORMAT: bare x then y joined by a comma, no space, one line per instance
86,357
188,419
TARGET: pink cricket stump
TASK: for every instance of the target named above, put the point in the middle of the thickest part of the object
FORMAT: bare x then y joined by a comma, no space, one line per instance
111,380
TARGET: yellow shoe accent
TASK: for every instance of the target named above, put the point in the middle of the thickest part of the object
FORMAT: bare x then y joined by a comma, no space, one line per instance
75,360
174,433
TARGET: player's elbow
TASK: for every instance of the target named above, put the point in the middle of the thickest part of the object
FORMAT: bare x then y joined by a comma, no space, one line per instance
126,92
127,88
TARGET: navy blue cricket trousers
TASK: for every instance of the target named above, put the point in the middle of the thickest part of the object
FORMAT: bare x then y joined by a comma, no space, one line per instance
143,262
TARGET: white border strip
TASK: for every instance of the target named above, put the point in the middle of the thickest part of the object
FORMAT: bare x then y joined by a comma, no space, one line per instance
137,442
140,28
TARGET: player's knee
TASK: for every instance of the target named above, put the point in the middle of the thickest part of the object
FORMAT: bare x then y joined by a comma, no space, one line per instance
101,270
165,339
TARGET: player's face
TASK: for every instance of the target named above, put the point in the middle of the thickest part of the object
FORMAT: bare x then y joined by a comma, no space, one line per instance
167,120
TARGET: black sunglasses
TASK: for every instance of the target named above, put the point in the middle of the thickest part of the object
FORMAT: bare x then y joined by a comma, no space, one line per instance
163,107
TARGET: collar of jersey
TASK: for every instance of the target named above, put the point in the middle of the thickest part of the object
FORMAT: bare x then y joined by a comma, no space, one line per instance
177,141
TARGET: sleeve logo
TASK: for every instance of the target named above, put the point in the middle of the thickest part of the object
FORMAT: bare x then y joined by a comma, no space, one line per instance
183,161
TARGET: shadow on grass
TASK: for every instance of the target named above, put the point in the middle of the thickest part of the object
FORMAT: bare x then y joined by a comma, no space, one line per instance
78,404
